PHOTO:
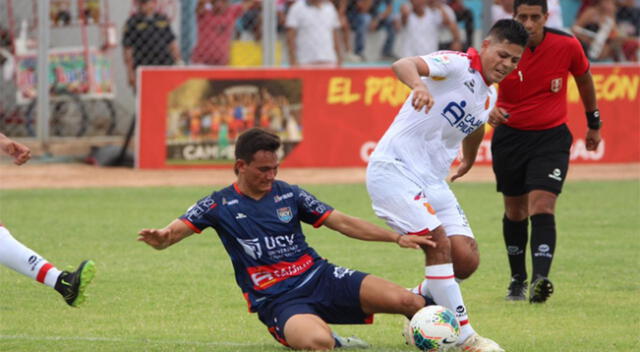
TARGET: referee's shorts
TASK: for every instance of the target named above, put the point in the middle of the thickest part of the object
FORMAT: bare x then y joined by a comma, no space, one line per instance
530,160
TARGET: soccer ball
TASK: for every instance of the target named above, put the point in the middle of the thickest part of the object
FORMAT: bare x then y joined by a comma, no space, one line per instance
434,328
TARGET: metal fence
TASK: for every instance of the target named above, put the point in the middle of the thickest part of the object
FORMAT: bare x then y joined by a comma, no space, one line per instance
90,49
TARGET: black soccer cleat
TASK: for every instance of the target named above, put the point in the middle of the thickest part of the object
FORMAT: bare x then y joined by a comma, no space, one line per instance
541,289
72,285
517,290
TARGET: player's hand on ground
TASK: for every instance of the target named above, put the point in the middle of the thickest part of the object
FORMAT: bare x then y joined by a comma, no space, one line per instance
19,152
497,117
593,139
158,239
462,170
422,98
412,241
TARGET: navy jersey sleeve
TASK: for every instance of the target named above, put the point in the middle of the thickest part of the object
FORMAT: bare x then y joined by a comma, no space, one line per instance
201,215
310,209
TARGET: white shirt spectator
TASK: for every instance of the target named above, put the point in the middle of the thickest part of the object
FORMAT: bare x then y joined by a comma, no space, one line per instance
555,14
314,27
417,40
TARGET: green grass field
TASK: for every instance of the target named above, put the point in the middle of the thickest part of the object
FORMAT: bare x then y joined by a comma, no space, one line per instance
185,299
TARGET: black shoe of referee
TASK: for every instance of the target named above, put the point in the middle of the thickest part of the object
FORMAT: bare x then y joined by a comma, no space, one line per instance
541,289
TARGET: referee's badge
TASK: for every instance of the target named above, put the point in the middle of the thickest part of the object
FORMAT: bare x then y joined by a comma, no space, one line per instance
556,85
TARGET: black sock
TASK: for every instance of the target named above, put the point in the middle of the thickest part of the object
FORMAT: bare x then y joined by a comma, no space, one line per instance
515,239
543,243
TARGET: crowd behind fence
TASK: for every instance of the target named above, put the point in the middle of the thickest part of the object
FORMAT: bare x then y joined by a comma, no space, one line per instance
118,36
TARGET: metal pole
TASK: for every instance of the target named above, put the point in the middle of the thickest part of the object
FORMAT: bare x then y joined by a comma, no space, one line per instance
43,75
269,32
487,21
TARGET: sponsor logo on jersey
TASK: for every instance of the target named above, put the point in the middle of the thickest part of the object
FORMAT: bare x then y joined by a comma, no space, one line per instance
195,211
311,203
251,247
265,276
231,202
556,85
240,216
441,59
285,214
280,198
457,117
471,84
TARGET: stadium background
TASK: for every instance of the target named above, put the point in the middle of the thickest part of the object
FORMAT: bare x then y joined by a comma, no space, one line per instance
184,299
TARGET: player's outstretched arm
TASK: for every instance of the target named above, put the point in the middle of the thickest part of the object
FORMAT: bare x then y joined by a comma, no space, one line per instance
363,230
18,151
163,238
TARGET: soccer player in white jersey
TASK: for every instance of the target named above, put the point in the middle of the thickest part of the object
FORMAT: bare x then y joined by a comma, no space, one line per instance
15,255
450,101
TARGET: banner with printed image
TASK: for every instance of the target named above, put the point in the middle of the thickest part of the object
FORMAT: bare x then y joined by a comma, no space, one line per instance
339,114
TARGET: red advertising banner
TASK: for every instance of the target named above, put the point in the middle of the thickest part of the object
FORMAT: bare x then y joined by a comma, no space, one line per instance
190,117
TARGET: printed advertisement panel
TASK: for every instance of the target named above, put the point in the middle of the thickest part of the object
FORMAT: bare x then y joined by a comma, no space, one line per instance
190,117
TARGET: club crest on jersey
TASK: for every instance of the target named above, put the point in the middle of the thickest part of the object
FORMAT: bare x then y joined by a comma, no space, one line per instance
285,214
556,85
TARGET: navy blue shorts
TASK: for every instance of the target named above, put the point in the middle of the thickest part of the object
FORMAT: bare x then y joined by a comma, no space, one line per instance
333,294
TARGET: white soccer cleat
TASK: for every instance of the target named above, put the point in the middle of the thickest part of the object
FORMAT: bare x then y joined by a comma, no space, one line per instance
351,342
477,343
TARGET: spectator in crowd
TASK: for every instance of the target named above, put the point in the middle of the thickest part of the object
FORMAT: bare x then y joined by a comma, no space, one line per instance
501,9
596,29
216,25
345,29
555,14
148,40
504,9
628,19
372,15
464,15
312,33
445,34
250,23
419,19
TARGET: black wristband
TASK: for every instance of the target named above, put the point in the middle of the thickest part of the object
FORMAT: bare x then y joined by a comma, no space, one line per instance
593,119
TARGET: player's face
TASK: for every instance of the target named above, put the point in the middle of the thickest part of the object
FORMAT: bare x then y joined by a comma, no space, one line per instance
499,59
259,174
533,20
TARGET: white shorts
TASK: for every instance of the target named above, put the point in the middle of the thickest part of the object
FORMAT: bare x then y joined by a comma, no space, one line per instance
410,206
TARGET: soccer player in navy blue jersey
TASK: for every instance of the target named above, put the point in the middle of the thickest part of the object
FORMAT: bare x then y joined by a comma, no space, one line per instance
294,290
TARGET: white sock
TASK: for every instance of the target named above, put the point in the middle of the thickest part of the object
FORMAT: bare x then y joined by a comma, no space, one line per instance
444,289
16,256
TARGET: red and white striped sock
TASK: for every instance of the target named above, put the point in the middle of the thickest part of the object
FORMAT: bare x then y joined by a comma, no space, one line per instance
18,257
441,284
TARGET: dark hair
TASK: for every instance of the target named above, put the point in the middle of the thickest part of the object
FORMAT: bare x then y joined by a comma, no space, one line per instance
253,140
542,3
510,30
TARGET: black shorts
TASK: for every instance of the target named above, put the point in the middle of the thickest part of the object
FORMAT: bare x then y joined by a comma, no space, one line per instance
530,160
333,294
